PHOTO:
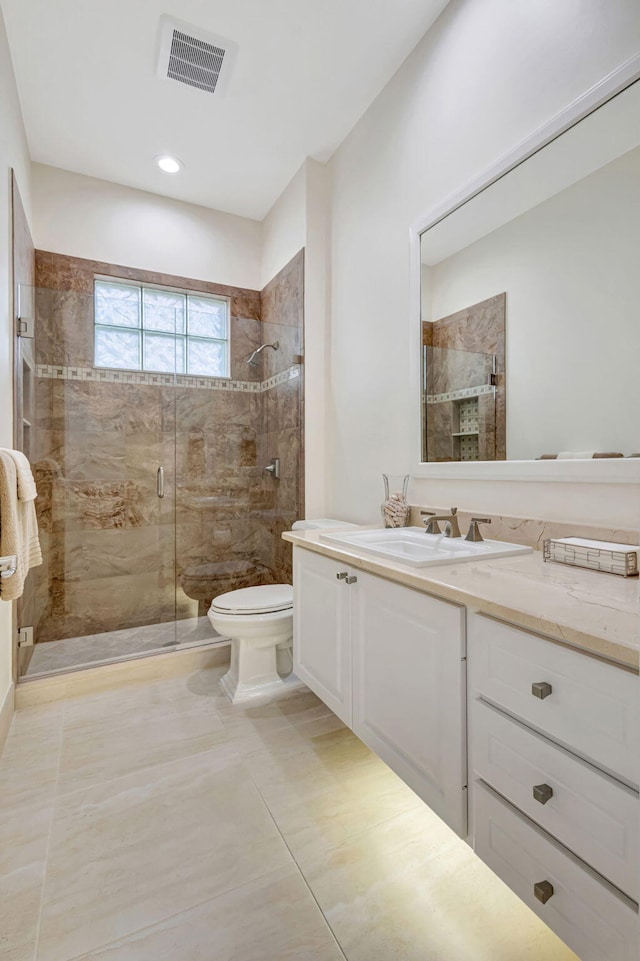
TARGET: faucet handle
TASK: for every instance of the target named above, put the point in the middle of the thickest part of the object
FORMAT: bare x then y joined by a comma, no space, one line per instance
432,527
473,534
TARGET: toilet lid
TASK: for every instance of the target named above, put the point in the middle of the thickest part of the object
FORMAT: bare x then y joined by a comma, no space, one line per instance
255,600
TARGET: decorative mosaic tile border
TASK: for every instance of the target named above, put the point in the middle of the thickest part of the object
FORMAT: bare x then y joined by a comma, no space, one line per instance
285,375
96,375
461,394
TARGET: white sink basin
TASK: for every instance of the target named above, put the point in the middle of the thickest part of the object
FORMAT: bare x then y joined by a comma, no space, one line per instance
413,546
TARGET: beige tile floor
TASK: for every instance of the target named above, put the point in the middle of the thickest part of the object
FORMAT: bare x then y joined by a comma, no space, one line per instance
161,823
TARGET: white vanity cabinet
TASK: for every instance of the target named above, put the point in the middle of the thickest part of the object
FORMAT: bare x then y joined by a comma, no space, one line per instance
322,629
390,662
554,771
554,739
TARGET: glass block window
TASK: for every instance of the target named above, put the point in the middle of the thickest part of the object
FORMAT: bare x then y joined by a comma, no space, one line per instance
160,329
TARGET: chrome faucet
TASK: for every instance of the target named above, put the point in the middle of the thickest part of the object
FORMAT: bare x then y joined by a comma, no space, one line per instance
451,527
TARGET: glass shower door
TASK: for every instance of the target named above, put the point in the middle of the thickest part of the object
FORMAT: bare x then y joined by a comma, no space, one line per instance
220,489
104,460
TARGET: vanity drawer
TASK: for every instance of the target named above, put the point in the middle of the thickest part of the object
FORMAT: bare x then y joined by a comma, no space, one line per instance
594,816
591,707
594,920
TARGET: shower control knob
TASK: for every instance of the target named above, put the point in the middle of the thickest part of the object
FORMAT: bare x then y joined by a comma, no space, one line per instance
273,468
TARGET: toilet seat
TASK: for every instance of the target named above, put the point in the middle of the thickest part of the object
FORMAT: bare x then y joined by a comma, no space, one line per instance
266,599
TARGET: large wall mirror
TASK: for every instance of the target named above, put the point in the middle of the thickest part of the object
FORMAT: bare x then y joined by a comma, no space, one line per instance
530,304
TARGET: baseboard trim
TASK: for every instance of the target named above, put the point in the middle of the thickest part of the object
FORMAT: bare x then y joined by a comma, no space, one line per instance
6,714
60,687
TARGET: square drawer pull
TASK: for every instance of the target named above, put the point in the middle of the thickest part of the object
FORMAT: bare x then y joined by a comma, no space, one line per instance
541,690
543,890
542,793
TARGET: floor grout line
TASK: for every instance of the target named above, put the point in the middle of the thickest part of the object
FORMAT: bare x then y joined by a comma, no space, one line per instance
237,758
148,767
67,703
300,871
192,907
284,840
168,917
36,945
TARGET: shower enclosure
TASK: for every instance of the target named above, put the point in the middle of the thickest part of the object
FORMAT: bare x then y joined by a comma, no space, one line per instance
464,382
150,437
458,404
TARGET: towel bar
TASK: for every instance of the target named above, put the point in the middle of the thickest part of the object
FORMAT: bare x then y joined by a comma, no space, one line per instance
8,565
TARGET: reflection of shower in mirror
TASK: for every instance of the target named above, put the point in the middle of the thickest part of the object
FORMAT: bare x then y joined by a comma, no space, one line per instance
464,384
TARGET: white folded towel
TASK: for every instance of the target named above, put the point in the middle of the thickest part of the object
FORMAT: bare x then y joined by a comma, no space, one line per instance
26,484
576,454
18,530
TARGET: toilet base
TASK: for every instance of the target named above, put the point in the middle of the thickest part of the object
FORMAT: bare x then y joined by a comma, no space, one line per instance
253,672
237,692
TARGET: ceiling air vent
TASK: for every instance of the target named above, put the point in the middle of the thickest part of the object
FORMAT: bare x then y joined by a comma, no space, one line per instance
191,56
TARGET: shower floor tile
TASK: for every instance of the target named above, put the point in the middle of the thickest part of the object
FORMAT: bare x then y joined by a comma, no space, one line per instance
176,826
76,652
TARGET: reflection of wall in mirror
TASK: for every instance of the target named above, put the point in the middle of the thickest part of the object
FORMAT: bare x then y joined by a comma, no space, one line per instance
464,410
570,269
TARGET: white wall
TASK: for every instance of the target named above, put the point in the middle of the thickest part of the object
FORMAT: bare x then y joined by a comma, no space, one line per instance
84,217
13,153
483,78
284,228
317,334
300,218
569,269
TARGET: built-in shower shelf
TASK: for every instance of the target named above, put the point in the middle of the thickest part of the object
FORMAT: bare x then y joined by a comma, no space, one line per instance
465,433
26,423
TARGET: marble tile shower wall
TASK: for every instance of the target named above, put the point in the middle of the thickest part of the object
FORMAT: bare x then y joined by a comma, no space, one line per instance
116,555
282,433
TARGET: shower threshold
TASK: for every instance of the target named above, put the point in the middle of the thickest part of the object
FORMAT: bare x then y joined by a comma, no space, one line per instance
94,650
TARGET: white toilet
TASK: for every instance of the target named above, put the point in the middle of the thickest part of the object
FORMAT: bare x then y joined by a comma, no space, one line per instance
259,623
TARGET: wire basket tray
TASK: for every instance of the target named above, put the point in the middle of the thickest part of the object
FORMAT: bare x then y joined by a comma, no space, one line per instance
623,562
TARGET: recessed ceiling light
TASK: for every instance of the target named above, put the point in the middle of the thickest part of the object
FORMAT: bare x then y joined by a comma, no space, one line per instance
170,165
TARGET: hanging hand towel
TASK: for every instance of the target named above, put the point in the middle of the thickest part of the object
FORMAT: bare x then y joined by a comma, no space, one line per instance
26,484
18,530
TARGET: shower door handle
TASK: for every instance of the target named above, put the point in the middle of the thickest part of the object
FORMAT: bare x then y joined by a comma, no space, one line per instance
160,482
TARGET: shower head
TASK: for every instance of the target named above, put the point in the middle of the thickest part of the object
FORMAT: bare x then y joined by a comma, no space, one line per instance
253,361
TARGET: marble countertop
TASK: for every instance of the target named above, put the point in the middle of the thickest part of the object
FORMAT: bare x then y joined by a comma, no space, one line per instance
594,612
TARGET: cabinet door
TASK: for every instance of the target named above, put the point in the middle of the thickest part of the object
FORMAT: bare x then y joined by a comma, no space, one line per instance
409,690
321,642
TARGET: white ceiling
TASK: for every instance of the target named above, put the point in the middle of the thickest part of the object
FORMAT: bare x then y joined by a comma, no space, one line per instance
306,72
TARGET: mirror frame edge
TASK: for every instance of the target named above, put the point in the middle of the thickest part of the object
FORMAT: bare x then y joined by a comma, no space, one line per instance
614,471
